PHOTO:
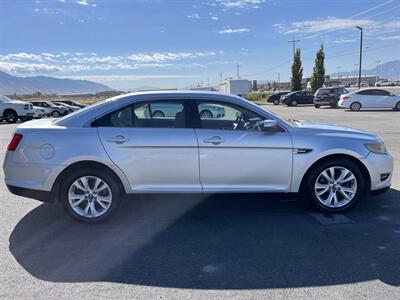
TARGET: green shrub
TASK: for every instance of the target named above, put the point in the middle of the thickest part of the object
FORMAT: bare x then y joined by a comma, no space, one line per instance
258,97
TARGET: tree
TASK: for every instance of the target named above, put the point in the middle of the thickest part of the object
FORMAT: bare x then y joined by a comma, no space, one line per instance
318,75
297,72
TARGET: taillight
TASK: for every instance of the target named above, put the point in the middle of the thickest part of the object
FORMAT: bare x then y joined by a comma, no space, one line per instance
14,142
344,97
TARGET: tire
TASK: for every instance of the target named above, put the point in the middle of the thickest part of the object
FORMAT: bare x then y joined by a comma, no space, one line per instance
206,114
10,116
316,106
276,102
319,190
110,190
158,114
355,106
293,103
55,114
397,106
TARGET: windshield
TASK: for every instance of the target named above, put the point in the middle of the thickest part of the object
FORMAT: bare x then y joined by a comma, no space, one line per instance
4,99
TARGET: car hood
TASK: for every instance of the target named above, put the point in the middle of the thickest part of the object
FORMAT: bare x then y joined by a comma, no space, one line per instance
334,129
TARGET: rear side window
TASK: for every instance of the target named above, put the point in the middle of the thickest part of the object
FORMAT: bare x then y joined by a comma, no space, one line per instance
150,114
374,92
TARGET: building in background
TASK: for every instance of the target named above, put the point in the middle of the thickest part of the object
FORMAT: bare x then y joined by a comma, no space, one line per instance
238,87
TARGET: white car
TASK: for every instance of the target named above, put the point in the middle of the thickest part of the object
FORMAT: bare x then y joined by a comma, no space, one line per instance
12,110
90,159
38,112
52,110
369,98
385,83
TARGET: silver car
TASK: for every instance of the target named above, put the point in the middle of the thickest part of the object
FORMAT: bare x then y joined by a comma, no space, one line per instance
90,159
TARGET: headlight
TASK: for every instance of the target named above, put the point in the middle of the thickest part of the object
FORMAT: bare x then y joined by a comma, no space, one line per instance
377,148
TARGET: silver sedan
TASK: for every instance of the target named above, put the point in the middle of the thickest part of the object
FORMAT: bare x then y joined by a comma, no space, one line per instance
90,159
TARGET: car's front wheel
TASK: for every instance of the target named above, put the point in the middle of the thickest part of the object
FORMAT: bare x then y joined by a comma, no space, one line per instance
276,102
293,103
335,186
55,114
90,195
397,106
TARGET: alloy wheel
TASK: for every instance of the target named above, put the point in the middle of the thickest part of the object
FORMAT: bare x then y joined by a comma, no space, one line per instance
90,196
335,187
355,106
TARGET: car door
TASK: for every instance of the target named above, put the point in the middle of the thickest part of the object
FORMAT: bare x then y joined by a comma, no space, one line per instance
235,155
383,99
156,152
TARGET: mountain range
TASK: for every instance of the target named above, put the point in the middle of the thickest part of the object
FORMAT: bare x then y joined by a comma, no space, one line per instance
10,84
388,70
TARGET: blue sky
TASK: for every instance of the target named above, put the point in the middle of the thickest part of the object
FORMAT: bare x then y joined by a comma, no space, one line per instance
126,44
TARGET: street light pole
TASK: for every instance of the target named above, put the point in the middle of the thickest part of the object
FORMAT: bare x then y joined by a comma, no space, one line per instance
359,66
377,72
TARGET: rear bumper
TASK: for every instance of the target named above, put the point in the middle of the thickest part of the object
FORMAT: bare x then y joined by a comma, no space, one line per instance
331,102
43,196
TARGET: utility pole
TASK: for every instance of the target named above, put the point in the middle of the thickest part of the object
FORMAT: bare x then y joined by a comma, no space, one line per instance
359,66
338,70
377,67
220,76
237,71
279,81
294,41
208,81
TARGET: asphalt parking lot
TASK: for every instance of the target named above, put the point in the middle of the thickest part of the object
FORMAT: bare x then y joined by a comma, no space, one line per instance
209,247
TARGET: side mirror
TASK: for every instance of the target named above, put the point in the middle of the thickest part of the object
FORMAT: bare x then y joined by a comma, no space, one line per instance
267,125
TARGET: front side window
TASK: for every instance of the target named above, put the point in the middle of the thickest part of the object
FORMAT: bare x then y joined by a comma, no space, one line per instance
226,116
149,114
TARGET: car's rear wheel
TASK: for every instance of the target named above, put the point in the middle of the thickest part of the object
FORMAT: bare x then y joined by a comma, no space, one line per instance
10,116
276,102
336,185
293,103
90,195
158,114
397,106
316,106
206,114
355,106
55,114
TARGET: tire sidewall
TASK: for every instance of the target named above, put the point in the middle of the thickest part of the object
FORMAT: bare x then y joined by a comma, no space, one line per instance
351,106
340,163
14,114
293,103
276,102
117,192
55,114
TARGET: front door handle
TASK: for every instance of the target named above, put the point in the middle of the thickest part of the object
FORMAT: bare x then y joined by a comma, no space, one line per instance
215,140
119,139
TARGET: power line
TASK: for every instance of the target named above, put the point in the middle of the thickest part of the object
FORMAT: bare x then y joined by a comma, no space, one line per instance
294,41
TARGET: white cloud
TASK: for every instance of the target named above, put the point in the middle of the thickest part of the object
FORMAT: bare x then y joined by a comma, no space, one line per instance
194,16
332,24
23,67
389,38
236,30
83,2
242,4
215,18
314,26
80,62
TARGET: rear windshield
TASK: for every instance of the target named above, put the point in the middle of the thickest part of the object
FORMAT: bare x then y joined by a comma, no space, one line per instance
324,91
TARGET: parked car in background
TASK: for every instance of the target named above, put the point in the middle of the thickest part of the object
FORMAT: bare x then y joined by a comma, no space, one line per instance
328,96
73,103
385,83
70,108
276,98
39,112
370,98
12,110
298,97
121,152
52,110
160,110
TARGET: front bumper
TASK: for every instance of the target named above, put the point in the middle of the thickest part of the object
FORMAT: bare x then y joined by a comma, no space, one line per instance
377,165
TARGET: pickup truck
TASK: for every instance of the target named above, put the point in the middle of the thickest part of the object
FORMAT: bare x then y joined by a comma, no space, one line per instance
12,110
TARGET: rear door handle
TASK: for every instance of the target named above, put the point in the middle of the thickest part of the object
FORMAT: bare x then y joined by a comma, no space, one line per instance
215,140
119,139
